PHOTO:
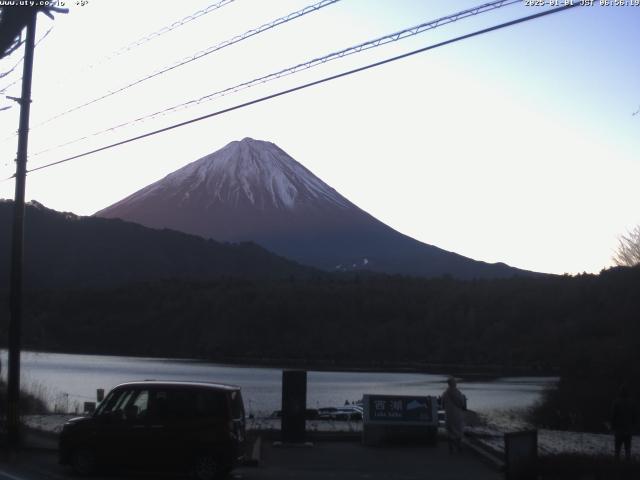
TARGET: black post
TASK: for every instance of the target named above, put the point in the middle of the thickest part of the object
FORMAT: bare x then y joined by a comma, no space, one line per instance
15,297
294,405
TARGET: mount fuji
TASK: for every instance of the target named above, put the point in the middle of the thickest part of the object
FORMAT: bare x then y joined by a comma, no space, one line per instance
252,190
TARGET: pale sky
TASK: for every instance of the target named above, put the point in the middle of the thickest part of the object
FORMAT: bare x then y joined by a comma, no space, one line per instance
518,146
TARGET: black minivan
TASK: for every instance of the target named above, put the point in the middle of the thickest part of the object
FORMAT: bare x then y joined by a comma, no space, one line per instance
155,425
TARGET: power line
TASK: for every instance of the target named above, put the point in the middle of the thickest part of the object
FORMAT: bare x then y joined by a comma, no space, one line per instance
250,33
9,85
308,85
132,45
393,37
46,34
15,45
8,72
4,74
151,36
169,28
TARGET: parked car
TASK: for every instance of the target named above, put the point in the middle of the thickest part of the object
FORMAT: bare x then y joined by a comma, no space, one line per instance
346,413
326,411
153,425
309,414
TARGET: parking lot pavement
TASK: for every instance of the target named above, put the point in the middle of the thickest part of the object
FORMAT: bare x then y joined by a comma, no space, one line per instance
352,460
27,465
43,465
325,460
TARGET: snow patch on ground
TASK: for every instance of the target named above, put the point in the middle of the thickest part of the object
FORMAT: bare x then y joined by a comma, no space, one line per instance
550,442
325,426
51,423
490,435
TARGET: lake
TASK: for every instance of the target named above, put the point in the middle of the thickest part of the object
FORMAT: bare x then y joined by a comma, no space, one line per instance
68,380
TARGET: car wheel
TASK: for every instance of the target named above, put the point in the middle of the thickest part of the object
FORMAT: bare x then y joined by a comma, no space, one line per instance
207,467
83,461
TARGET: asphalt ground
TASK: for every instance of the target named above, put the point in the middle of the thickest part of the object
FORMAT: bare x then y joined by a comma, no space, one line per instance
352,460
324,460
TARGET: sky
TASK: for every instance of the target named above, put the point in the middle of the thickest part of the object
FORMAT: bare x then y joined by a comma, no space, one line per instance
518,146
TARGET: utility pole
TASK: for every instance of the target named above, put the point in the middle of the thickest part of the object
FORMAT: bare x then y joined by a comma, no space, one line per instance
15,296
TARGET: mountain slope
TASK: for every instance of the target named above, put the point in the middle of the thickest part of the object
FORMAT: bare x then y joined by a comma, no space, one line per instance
253,190
64,250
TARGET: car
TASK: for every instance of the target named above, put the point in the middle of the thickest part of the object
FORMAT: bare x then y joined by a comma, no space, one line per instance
154,425
309,414
325,412
346,413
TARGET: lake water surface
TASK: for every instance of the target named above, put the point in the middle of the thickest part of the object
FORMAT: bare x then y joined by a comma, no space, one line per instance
68,380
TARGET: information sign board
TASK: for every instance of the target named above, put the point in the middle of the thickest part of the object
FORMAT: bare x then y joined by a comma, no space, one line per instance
400,409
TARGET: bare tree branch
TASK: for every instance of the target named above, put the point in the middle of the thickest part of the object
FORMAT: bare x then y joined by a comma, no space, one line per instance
628,252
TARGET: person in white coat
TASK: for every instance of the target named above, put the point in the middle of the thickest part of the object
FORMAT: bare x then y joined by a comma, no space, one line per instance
454,404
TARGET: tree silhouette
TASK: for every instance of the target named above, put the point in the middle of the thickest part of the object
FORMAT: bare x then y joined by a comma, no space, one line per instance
628,252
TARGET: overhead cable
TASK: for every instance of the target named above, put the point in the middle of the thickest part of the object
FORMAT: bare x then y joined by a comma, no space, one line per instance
392,37
308,85
173,26
214,48
162,31
4,74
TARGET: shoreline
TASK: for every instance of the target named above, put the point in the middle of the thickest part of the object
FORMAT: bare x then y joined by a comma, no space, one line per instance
468,372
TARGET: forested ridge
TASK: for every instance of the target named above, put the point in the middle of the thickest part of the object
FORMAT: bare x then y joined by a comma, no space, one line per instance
63,250
537,323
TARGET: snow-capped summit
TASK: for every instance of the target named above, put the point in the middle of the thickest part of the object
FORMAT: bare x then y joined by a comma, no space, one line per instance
252,190
248,171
